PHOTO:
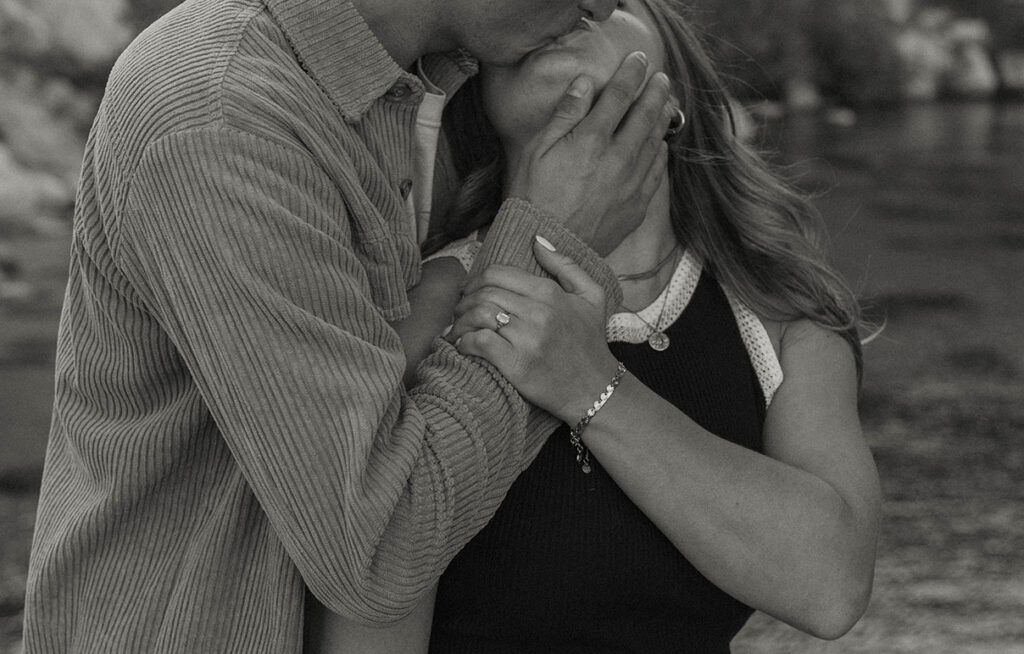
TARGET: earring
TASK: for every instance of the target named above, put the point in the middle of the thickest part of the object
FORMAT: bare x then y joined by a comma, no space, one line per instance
676,124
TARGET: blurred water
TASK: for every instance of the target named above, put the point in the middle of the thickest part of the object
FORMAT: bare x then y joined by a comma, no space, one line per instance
924,205
960,133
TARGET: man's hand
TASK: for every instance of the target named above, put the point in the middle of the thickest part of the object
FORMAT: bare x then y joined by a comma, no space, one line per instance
597,171
432,304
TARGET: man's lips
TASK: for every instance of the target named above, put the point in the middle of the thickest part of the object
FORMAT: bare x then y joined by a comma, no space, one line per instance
581,25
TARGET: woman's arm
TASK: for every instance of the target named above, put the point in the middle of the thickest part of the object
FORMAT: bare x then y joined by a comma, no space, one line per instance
792,533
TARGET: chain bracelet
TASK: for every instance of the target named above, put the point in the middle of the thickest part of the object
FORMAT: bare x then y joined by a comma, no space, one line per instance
576,433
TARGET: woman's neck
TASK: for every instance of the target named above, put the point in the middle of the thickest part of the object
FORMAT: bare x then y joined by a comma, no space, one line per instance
644,249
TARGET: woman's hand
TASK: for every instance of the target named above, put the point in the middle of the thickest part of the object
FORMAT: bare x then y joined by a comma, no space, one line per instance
553,348
597,168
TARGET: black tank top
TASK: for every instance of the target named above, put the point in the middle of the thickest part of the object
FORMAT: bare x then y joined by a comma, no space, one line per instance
570,564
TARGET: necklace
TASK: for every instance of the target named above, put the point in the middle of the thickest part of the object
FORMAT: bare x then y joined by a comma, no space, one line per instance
647,274
658,339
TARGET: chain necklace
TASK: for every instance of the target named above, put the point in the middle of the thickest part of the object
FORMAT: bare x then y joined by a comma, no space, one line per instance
647,274
658,339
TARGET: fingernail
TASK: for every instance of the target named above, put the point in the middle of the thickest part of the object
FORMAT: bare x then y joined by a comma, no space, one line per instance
447,330
458,341
580,86
546,244
642,56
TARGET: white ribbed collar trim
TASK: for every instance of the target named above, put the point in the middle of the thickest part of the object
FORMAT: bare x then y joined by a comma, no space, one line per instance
629,327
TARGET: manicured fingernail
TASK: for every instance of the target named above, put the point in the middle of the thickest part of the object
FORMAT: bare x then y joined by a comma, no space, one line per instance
642,56
580,86
458,341
447,330
546,244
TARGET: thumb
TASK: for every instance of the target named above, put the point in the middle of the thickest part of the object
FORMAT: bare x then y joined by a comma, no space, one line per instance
570,276
571,109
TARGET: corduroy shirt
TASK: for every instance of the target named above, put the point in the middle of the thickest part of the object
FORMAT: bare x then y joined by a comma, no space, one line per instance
230,421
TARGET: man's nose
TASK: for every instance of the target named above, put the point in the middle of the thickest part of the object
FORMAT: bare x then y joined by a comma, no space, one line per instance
598,10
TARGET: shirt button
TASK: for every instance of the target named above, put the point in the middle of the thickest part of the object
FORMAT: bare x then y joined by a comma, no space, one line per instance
399,91
405,187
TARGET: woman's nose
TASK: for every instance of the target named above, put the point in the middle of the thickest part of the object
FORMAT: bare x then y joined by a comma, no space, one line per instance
598,10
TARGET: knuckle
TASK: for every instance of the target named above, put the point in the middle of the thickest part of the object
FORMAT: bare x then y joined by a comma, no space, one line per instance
569,107
621,91
488,276
547,290
588,142
544,317
652,112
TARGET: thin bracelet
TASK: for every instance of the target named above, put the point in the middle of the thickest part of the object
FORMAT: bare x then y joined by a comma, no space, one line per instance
575,434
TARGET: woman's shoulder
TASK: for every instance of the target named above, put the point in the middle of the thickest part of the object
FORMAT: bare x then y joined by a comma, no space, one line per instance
805,338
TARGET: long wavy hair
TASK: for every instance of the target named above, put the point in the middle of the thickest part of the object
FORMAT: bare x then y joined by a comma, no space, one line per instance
758,237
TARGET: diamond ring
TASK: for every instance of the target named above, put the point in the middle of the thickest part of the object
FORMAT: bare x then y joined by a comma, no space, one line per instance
502,318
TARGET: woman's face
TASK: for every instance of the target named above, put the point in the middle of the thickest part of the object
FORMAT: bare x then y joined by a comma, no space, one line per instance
520,99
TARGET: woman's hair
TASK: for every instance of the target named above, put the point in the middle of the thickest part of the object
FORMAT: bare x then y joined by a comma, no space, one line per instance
754,234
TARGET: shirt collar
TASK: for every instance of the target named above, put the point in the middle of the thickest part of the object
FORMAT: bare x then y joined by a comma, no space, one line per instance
447,71
337,48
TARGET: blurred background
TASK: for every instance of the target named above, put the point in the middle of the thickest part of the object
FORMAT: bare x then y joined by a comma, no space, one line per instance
903,118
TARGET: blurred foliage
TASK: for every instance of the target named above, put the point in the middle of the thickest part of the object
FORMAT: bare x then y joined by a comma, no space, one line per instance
847,49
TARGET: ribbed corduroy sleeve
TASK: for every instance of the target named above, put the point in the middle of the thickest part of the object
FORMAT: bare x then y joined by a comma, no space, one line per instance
242,249
510,239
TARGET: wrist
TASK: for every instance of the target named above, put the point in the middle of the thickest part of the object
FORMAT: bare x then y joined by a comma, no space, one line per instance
587,390
576,433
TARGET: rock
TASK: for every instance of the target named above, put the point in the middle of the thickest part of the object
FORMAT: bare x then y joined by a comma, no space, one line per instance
801,95
925,52
42,123
900,11
89,31
31,199
840,117
971,73
1011,70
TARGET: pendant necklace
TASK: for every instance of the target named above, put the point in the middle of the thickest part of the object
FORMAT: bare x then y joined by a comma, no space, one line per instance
657,339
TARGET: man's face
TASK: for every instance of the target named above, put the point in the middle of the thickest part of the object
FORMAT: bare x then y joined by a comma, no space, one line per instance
520,99
502,32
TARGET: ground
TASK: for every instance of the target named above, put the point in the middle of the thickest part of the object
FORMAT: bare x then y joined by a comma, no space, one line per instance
924,205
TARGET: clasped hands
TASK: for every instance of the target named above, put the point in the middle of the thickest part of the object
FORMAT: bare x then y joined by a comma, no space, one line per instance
546,336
